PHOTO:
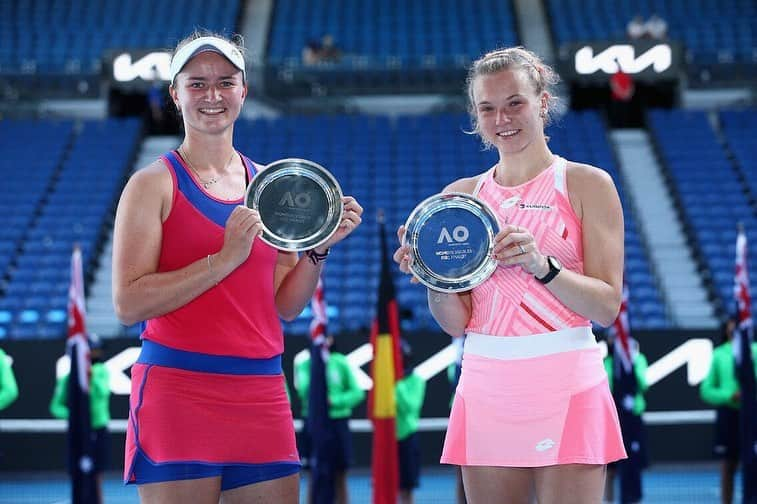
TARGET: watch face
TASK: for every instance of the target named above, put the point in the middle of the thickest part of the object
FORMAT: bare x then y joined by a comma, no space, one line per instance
554,262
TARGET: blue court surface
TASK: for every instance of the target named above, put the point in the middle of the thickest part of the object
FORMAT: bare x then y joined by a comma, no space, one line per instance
662,484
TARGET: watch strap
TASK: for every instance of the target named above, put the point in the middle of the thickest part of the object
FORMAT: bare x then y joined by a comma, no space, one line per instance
551,274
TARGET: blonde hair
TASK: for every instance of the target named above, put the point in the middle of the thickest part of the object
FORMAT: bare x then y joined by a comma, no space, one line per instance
541,75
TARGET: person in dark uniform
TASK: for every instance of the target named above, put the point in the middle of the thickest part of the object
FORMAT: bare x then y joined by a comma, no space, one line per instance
630,411
344,394
410,392
721,389
99,406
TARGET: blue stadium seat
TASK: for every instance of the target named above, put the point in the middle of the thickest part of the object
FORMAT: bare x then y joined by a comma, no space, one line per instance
713,31
47,37
376,34
67,202
709,188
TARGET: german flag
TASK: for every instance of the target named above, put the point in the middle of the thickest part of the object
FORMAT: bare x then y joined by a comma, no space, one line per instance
386,370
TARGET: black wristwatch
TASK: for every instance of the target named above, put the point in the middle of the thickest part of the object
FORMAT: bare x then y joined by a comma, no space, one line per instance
554,268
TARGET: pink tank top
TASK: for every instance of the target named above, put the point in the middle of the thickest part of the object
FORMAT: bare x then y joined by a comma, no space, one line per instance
512,302
238,316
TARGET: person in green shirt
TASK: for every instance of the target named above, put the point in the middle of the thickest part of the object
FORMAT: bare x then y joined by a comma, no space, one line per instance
99,406
410,392
8,385
344,393
631,468
720,388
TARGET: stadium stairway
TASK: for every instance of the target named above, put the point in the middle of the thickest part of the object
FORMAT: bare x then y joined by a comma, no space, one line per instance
101,318
254,28
680,283
534,28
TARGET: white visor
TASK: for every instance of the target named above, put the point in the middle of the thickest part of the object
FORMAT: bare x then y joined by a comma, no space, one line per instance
203,44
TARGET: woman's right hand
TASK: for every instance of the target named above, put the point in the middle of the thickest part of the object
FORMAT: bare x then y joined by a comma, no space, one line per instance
402,255
451,310
242,226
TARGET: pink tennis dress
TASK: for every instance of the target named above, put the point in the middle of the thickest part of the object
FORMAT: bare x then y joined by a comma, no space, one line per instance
533,390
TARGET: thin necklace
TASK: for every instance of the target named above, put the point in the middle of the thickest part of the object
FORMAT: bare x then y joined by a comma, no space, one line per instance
205,183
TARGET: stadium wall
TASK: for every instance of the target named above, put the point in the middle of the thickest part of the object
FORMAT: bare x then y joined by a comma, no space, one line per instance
679,424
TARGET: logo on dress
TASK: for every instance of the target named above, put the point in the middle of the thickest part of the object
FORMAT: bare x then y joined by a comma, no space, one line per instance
509,202
544,445
534,206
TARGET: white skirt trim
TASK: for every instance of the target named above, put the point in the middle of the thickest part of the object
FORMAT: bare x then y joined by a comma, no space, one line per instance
532,345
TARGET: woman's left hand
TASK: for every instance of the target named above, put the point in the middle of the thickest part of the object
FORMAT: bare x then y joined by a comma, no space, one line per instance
351,219
516,245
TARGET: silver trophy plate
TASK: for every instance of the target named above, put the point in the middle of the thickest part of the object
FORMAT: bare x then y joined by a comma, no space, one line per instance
451,237
299,201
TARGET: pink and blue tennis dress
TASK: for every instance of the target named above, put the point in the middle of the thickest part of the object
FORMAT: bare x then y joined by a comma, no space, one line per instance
533,390
208,396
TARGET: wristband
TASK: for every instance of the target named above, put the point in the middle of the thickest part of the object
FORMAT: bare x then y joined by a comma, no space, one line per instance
315,257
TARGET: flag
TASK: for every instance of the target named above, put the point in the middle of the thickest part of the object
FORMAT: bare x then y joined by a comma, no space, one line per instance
742,343
624,391
386,370
319,426
624,381
80,443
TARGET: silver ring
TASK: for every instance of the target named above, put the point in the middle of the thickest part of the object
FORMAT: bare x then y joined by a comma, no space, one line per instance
522,250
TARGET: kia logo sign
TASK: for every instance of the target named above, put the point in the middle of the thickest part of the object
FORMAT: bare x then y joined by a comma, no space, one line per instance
659,58
647,60
147,67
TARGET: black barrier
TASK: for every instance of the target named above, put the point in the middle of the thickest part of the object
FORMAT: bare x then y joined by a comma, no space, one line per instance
678,423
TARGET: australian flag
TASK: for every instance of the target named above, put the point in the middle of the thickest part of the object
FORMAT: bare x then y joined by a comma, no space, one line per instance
625,388
742,343
80,441
320,427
